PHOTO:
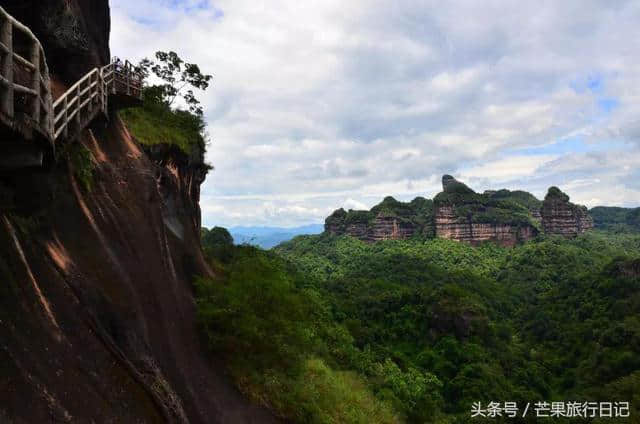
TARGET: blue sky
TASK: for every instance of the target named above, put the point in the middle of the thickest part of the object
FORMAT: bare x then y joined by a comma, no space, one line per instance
320,105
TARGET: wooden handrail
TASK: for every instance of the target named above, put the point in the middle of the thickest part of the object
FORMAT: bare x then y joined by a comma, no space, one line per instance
113,78
78,105
38,111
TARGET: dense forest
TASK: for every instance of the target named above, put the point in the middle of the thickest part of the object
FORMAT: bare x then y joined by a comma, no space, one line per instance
330,329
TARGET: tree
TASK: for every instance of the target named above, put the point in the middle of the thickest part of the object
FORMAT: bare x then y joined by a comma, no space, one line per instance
177,75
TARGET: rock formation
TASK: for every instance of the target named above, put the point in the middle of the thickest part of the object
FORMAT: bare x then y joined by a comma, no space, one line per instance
560,216
450,225
459,213
388,220
463,215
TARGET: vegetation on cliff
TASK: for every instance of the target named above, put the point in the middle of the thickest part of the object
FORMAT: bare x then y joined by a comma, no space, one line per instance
500,207
424,328
281,345
418,218
417,214
158,121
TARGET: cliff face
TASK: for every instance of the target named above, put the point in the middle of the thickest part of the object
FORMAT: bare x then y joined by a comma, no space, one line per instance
463,215
380,228
98,317
561,217
459,213
74,33
389,220
450,226
97,256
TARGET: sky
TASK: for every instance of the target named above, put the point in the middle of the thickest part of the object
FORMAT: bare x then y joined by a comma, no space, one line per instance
320,105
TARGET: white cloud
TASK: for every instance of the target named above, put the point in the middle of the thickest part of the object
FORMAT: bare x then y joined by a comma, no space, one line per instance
318,104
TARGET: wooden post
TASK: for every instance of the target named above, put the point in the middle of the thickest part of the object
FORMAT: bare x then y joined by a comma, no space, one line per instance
105,100
6,37
90,94
101,88
35,60
78,118
65,105
127,71
48,99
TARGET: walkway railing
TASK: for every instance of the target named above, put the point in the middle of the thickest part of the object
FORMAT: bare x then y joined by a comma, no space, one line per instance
25,87
79,105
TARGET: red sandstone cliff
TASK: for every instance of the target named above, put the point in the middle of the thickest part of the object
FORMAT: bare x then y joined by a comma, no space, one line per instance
459,213
97,316
560,216
97,309
450,226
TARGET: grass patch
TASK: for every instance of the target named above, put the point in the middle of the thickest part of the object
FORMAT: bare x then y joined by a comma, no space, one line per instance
156,123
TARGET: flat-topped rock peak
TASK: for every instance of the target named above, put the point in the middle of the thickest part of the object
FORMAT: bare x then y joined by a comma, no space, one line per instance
459,213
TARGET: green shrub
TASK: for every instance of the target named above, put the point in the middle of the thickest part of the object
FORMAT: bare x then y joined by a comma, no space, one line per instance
82,163
156,123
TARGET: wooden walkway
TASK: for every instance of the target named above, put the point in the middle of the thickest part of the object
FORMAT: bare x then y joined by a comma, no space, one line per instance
26,104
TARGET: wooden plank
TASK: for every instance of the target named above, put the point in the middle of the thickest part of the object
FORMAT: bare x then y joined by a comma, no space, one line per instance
59,116
26,90
24,61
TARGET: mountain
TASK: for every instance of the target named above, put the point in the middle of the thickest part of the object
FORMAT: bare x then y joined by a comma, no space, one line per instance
268,237
459,213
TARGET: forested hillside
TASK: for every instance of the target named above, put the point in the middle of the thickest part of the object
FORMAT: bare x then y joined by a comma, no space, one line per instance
616,219
418,330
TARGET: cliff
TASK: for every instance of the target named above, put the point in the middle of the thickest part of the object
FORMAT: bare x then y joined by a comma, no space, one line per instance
499,216
456,213
390,219
97,257
560,216
459,213
74,33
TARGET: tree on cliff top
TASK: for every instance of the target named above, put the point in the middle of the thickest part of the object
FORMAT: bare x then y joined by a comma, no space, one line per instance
555,193
158,121
176,75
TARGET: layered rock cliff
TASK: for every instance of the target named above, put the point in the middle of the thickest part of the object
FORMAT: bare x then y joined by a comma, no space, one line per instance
97,256
390,219
560,216
464,215
459,213
450,225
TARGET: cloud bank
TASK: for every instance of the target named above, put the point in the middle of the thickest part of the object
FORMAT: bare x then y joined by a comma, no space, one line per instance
318,106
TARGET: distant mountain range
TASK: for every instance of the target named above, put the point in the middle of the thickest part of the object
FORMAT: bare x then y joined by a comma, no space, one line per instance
268,237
